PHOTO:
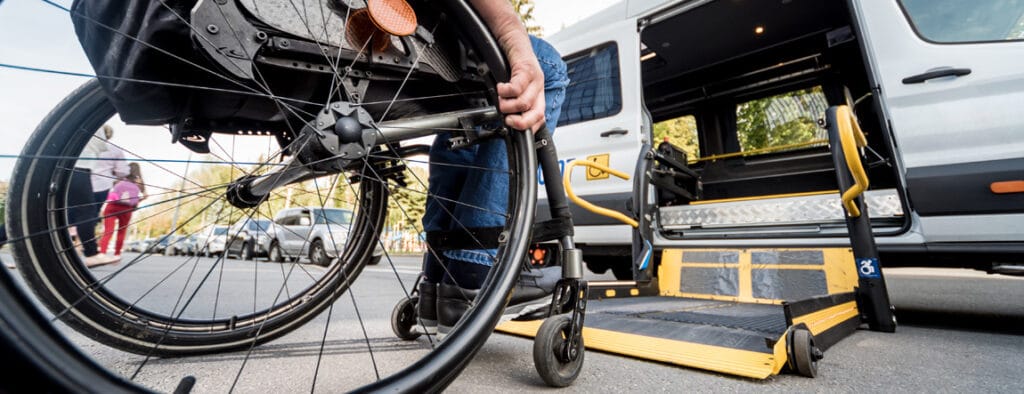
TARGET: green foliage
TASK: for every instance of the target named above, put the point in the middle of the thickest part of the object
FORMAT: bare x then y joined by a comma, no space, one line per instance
784,119
681,132
525,10
200,203
407,204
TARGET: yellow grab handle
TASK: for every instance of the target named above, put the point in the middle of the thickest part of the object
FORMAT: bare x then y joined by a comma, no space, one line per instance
588,206
850,138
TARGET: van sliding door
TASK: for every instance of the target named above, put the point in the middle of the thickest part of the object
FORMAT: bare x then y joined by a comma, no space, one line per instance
951,80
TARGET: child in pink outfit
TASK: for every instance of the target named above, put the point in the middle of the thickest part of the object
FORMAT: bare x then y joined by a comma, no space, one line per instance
121,202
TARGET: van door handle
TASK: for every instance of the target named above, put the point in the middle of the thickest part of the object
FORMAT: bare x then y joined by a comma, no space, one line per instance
945,72
615,131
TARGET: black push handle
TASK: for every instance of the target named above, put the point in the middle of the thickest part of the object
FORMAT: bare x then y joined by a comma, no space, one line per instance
945,72
615,131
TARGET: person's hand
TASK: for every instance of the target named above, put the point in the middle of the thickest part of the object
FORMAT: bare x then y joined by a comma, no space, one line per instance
522,98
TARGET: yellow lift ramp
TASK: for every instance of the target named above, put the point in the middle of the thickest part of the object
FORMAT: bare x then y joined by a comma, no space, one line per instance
750,312
727,310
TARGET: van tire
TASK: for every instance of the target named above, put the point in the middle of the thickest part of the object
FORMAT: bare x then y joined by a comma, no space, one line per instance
275,254
318,254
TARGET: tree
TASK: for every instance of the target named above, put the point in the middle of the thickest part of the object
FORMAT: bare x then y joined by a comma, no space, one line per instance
681,132
780,120
407,204
525,10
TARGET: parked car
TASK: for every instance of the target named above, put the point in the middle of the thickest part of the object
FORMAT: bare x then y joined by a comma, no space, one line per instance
248,239
137,245
182,246
160,245
319,233
212,240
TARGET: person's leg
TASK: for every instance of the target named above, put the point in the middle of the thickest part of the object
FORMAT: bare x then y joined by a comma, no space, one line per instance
556,80
447,175
123,218
482,203
109,224
81,210
484,199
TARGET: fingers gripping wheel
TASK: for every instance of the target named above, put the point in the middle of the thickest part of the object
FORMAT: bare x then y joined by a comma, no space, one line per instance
551,346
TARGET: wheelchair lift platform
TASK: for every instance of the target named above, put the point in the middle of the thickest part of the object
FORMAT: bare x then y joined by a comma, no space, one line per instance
731,311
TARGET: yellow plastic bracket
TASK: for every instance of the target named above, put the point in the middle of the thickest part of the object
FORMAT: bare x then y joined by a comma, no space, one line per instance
588,206
851,138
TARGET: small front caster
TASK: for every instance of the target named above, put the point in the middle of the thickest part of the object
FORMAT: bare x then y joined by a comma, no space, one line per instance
403,319
558,360
804,355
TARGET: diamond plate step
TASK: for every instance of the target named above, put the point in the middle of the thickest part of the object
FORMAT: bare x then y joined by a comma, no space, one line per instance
823,208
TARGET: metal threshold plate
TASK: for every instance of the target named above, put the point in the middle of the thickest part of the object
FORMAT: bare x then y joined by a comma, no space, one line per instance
781,211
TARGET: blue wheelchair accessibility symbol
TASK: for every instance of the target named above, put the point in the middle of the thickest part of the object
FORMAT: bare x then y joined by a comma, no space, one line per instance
868,268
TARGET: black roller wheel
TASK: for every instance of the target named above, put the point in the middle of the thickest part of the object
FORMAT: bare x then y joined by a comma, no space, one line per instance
403,319
547,347
804,355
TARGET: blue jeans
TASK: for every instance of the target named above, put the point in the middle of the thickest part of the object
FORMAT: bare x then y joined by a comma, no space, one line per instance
469,188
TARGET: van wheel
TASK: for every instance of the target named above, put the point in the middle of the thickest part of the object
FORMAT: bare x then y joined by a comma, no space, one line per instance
318,254
246,252
275,254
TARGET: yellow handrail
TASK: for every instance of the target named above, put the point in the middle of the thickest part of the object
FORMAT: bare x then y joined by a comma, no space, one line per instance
852,137
591,207
758,151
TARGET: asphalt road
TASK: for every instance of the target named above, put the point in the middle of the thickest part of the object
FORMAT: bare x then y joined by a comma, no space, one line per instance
959,331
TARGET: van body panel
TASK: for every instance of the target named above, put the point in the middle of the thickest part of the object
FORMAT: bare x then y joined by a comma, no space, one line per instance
614,140
973,228
948,138
948,120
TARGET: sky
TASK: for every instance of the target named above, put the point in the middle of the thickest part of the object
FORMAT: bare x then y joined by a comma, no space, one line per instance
39,35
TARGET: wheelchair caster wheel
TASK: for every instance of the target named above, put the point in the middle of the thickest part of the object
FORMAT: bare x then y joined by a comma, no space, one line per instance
403,319
549,353
804,355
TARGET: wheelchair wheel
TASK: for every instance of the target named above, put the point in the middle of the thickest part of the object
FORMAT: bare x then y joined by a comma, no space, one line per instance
261,161
403,319
547,348
104,302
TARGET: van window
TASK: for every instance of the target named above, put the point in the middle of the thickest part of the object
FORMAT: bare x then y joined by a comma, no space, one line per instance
953,21
681,132
333,216
594,91
784,121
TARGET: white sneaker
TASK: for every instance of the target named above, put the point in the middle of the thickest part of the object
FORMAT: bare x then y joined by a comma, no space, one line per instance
101,259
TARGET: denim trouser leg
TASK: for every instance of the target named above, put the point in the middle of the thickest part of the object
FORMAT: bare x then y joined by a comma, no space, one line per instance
482,189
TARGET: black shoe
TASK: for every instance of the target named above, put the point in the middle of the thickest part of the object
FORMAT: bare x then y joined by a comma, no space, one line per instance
426,308
530,298
452,302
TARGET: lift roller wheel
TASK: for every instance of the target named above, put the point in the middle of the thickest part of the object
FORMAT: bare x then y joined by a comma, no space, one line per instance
547,353
803,354
403,319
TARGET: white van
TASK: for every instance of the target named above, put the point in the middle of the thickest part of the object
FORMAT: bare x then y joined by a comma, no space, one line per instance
742,86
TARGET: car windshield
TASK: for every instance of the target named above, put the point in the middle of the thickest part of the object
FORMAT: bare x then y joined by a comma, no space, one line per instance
260,224
220,231
332,216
